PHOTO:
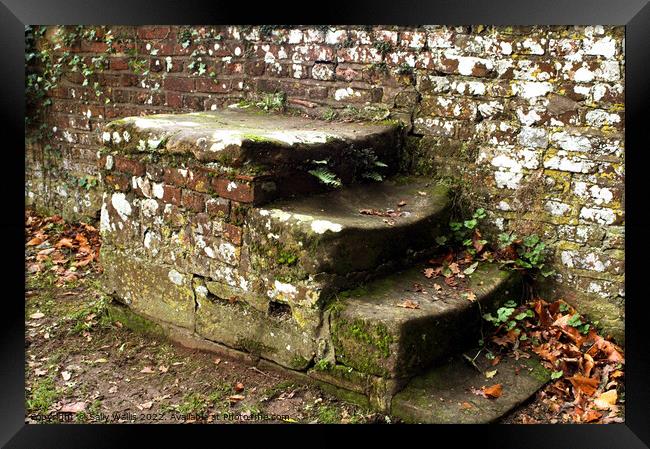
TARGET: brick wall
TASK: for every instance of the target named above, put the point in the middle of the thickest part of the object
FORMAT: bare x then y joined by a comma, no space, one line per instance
529,119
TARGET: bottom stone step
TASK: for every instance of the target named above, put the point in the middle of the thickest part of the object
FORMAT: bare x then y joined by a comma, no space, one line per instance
444,394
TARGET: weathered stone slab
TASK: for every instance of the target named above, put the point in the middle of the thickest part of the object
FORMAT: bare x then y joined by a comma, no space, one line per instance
443,395
240,326
310,247
235,137
374,335
154,290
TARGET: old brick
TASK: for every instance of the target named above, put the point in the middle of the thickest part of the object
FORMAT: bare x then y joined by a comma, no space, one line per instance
193,200
232,233
198,179
323,72
233,190
218,207
131,166
254,68
174,100
118,181
153,32
444,106
155,172
213,85
172,195
175,176
179,84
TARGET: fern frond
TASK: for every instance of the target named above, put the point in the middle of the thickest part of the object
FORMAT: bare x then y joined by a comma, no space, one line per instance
326,177
373,175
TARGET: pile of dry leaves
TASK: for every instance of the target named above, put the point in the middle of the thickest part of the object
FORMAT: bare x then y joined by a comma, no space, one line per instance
587,369
70,250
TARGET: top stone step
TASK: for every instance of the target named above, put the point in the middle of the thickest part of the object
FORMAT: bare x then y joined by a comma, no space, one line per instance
237,137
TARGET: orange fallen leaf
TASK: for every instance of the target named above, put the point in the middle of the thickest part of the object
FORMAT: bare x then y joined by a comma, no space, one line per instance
493,391
64,242
239,387
591,416
236,398
409,304
587,385
428,273
35,241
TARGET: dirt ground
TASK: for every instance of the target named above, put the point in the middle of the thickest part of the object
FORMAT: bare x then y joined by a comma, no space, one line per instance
80,367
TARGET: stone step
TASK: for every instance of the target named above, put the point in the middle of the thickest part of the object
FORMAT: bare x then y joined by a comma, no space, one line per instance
374,335
309,248
446,394
271,153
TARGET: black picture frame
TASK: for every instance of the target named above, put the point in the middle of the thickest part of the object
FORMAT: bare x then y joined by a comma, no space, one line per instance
634,14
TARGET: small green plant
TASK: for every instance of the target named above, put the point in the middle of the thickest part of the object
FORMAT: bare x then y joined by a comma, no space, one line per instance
268,102
466,234
193,403
323,365
503,314
383,47
405,69
287,258
330,114
328,414
44,393
528,253
86,318
575,321
367,165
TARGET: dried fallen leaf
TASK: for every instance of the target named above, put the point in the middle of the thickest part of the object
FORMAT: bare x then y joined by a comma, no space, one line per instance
163,368
239,387
100,360
490,374
37,315
466,405
147,370
493,391
217,361
145,405
606,400
587,385
236,398
67,375
64,242
471,296
113,389
428,273
591,416
401,203
437,287
40,372
409,304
